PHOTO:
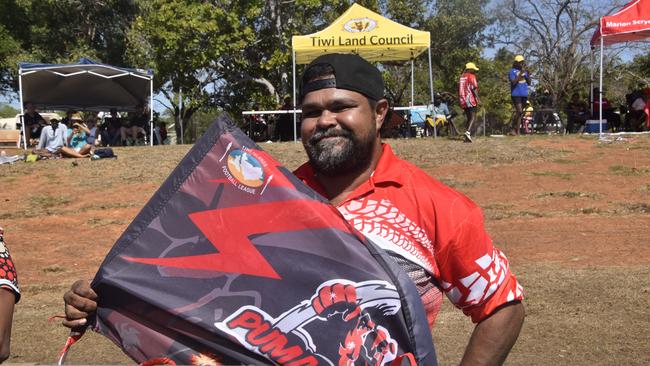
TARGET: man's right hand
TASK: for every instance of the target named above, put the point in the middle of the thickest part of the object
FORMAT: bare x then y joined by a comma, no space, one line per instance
80,302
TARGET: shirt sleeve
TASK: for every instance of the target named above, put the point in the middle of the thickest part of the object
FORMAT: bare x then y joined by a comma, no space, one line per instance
474,274
8,275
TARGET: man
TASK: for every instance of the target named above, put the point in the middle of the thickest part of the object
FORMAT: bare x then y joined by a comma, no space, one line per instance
468,94
519,81
433,232
33,122
136,126
576,111
111,129
53,138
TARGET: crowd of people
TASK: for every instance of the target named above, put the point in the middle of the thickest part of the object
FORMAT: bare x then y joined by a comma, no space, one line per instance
75,136
543,111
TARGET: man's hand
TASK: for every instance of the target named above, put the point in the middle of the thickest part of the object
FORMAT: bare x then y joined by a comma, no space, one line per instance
80,302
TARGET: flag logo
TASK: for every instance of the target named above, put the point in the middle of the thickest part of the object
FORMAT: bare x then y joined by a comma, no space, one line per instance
244,167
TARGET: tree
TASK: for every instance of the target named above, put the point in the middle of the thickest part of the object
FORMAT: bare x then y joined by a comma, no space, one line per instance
52,31
554,35
192,47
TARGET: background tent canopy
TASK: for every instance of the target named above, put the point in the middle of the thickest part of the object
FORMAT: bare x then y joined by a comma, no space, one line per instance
629,24
365,33
85,85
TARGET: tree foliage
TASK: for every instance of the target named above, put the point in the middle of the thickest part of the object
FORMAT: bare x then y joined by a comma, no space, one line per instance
57,31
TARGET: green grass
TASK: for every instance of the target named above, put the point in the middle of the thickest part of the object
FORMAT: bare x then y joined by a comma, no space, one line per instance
48,201
634,208
561,175
628,171
55,268
451,182
567,161
567,194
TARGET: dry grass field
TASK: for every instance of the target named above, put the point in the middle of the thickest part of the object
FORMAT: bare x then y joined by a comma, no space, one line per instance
571,213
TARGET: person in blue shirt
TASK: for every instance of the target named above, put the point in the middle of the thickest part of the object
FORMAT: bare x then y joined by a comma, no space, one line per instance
519,81
77,141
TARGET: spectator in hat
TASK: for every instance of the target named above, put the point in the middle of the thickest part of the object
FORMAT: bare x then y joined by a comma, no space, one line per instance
77,139
52,139
468,98
519,82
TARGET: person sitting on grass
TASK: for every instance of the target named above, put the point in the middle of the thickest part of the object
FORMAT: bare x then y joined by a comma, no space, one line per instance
78,146
33,123
135,127
53,138
93,134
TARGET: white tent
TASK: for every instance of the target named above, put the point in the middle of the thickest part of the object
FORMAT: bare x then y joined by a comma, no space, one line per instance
85,85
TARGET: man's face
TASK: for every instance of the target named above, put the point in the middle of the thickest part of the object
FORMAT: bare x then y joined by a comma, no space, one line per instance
30,108
340,130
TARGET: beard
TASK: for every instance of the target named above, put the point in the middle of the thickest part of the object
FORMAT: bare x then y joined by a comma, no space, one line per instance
335,152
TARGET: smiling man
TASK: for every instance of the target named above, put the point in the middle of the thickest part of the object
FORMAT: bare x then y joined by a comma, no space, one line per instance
433,232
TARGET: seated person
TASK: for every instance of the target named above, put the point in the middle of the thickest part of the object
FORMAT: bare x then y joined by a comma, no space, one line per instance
53,138
93,134
33,122
636,119
609,112
111,129
135,127
77,141
438,114
9,296
67,120
577,113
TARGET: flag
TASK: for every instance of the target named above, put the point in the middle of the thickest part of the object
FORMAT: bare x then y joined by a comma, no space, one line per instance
235,261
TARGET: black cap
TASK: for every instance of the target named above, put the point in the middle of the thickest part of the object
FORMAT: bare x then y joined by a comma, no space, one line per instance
351,72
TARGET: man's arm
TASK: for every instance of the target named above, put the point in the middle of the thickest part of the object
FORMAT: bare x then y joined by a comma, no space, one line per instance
494,336
7,300
42,139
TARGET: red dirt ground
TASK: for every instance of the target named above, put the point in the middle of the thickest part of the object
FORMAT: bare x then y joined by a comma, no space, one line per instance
557,205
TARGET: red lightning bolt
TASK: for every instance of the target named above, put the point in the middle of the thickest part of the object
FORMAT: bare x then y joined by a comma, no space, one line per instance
228,229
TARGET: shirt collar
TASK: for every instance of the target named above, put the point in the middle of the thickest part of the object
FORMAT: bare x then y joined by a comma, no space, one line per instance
387,171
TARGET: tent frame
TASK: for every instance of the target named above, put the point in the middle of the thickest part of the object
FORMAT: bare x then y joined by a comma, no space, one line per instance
641,33
21,72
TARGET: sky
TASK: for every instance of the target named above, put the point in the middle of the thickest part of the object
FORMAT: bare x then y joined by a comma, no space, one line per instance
627,53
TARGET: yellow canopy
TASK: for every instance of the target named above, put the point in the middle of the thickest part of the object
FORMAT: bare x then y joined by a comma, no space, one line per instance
365,33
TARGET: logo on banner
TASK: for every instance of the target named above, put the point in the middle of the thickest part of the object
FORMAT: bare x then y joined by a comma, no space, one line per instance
285,340
360,25
245,168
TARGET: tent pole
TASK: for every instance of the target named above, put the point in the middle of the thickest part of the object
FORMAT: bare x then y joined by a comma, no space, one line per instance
412,84
591,80
151,126
180,113
22,106
435,132
600,90
295,117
